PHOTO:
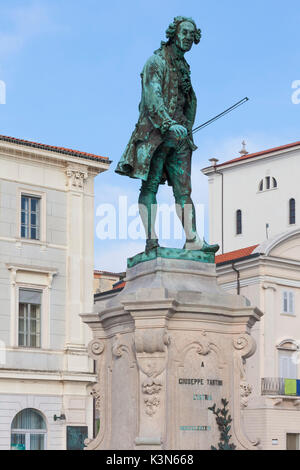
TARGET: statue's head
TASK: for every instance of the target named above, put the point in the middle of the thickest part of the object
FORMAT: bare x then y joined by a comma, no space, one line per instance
183,32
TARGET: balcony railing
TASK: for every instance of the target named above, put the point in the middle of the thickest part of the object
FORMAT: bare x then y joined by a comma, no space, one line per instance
280,386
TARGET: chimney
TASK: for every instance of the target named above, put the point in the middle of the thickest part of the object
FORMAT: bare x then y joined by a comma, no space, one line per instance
213,161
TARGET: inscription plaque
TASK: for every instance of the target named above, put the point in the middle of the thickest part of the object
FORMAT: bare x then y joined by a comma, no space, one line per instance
199,385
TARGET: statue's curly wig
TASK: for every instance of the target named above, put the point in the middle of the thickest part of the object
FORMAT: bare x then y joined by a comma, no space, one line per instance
173,27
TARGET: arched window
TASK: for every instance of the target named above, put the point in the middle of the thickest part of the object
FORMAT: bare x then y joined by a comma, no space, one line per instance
267,183
292,211
238,222
28,431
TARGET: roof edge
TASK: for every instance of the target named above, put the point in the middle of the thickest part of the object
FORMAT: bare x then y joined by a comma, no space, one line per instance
249,156
51,148
242,258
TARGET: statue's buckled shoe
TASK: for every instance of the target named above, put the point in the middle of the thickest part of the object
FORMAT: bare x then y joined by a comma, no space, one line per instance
151,244
206,248
194,244
197,244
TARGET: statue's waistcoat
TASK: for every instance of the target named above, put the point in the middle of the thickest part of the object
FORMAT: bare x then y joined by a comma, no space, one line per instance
157,108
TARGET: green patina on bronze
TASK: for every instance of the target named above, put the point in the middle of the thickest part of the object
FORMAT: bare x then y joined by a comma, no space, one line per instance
160,148
165,79
171,253
223,420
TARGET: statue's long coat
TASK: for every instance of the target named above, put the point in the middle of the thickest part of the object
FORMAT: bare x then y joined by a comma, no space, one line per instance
157,108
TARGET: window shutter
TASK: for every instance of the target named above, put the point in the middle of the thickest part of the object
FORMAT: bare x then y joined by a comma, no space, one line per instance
283,366
285,302
287,367
292,369
27,296
291,302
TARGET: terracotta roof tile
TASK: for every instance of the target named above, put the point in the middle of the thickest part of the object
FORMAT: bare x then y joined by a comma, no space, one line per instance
51,148
108,273
119,285
232,255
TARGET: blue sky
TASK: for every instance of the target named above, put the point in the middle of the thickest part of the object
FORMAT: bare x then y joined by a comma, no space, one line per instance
72,73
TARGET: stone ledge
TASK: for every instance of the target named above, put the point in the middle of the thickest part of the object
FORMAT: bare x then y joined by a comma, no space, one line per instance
171,253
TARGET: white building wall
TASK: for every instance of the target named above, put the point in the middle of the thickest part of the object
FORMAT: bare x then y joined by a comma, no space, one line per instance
241,191
48,406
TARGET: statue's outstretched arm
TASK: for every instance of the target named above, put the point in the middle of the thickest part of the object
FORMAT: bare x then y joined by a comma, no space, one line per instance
153,99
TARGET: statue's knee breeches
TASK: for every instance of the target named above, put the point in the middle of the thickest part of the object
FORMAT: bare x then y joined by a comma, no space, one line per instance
182,198
147,196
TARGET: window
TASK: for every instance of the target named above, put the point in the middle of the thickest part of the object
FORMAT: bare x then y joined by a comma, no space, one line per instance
292,211
30,217
288,302
293,442
28,431
30,318
267,183
287,366
238,222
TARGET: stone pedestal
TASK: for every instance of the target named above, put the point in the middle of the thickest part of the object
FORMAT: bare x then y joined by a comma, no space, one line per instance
167,347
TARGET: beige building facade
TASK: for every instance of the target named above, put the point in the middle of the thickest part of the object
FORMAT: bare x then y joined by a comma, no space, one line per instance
46,281
269,277
105,281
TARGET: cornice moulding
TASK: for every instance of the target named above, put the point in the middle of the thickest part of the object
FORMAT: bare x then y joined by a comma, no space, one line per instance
31,268
226,166
50,157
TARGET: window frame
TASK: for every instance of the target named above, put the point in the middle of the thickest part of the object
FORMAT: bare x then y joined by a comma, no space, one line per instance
238,222
297,439
268,183
27,321
28,226
29,432
292,367
288,298
22,191
21,277
292,211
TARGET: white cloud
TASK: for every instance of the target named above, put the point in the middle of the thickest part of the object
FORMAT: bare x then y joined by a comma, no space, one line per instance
24,23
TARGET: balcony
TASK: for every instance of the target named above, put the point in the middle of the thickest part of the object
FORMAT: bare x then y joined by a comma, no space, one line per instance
280,386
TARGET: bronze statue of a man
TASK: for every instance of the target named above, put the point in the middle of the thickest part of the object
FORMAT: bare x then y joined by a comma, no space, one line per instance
161,145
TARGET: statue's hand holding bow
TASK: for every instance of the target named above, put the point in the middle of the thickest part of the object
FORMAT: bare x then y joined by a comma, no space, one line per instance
178,131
